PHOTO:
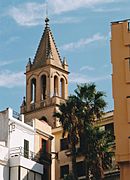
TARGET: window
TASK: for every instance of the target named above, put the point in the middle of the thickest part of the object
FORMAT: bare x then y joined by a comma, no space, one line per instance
128,26
110,128
80,169
64,170
55,86
63,144
26,148
33,90
44,154
43,87
44,146
82,144
62,88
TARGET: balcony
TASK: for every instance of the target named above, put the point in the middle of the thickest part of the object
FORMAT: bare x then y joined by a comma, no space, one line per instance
43,157
19,157
17,161
19,151
40,157
17,116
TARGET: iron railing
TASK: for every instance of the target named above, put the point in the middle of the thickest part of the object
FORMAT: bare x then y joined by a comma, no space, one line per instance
39,157
17,115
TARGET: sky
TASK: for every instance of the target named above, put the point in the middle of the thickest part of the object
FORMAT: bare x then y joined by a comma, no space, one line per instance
82,32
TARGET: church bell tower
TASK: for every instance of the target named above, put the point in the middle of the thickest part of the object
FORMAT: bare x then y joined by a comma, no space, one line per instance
46,80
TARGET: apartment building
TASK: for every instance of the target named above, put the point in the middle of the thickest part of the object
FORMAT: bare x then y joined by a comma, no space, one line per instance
120,58
63,163
23,147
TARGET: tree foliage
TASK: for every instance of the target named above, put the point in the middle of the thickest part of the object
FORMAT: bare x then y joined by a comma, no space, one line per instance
68,116
78,116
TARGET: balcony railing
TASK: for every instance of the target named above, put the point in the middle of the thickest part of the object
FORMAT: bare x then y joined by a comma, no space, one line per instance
43,157
17,115
40,157
20,151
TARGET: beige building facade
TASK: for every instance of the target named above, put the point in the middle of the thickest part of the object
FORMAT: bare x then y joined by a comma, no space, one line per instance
63,162
42,145
120,57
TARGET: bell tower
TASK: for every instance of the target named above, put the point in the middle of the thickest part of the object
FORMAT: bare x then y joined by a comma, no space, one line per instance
46,80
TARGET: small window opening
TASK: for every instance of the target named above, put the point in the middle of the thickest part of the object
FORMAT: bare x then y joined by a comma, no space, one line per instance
62,88
43,87
55,86
33,90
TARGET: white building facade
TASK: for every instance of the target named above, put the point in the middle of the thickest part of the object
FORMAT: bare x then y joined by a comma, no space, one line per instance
17,145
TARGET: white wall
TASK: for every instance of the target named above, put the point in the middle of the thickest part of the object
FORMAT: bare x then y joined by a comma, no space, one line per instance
4,172
3,153
4,125
14,173
15,131
20,133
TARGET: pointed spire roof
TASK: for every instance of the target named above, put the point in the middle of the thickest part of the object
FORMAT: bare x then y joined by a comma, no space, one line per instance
47,49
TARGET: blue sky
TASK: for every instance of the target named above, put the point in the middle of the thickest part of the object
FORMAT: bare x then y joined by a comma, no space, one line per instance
82,34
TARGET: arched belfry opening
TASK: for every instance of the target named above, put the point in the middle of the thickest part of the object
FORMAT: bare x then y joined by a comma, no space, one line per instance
43,87
33,90
62,88
55,86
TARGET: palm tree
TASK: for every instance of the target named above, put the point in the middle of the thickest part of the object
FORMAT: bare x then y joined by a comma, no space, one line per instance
95,141
71,127
78,115
98,157
92,101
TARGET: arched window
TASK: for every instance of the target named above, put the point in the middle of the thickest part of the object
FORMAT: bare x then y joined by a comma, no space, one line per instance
62,88
33,90
43,87
55,86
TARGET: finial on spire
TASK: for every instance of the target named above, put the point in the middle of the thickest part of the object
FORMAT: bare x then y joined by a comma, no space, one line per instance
47,21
